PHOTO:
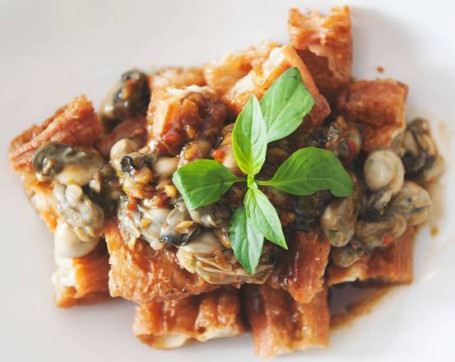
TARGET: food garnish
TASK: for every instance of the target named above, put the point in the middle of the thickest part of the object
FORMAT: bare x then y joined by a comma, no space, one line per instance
279,113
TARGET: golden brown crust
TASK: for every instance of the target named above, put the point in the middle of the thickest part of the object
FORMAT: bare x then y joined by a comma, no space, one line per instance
249,77
301,272
133,128
281,325
325,45
378,107
223,74
201,318
176,116
177,77
392,264
41,197
321,108
259,79
90,277
73,124
69,297
143,275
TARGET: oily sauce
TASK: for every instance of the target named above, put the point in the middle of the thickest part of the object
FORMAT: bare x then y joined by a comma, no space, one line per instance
350,300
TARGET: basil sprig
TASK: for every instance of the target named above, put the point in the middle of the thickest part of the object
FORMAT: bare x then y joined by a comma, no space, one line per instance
245,240
249,138
279,113
261,213
285,104
309,170
203,182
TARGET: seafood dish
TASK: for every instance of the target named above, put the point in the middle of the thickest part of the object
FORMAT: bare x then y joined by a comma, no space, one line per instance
234,196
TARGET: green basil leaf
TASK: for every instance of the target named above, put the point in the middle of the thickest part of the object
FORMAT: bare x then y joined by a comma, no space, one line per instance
285,104
263,216
249,138
203,182
309,170
246,241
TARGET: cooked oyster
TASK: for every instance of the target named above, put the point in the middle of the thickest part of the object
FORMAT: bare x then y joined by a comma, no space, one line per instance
384,175
82,214
206,256
66,164
128,98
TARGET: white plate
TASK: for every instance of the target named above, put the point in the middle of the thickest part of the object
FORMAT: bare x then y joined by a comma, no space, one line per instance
52,50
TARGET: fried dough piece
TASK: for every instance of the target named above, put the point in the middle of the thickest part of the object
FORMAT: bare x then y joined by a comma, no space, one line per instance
204,317
81,280
378,107
133,128
223,74
177,77
176,116
41,197
263,72
392,264
301,270
136,128
325,46
281,325
143,275
73,124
